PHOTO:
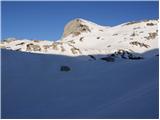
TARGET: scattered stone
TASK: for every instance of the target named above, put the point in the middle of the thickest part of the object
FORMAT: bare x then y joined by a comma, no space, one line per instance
65,68
136,43
32,47
101,30
98,37
141,32
131,23
81,39
19,49
75,50
152,35
76,33
135,57
150,24
133,34
62,49
37,41
54,46
136,28
108,59
126,55
92,57
115,34
46,46
22,43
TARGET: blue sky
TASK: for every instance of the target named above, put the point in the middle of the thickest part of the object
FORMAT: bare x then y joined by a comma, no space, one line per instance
46,20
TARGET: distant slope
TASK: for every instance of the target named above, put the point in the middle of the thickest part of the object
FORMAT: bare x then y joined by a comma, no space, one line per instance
33,86
82,37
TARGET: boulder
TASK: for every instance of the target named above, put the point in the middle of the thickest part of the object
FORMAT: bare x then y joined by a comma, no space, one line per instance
65,68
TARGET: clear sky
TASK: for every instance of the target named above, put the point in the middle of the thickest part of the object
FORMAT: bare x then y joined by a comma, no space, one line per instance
46,20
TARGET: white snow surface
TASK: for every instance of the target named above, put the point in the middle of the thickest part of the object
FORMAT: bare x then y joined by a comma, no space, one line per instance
34,87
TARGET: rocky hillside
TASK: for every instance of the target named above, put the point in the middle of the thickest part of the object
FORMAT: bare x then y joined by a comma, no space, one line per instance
82,37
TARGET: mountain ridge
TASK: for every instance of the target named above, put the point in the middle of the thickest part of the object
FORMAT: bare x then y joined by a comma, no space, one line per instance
82,37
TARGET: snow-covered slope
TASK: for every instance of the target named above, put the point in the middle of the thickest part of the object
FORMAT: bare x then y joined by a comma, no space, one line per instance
33,86
93,71
82,37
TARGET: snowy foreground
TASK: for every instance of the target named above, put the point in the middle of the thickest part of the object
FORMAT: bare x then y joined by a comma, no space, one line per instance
112,72
34,87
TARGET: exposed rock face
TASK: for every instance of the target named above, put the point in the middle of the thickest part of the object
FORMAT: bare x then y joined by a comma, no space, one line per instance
75,50
75,27
22,43
152,35
124,54
54,46
136,43
108,59
91,56
32,47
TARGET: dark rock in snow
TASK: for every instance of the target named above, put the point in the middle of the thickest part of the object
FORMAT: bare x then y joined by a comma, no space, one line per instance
108,59
92,57
65,68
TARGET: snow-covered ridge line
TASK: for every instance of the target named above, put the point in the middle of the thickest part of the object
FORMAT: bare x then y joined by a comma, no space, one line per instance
82,37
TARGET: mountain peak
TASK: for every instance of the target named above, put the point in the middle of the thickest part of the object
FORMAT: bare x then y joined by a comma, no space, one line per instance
76,27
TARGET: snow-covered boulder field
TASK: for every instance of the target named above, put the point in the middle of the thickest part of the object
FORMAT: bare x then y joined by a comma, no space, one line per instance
93,71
